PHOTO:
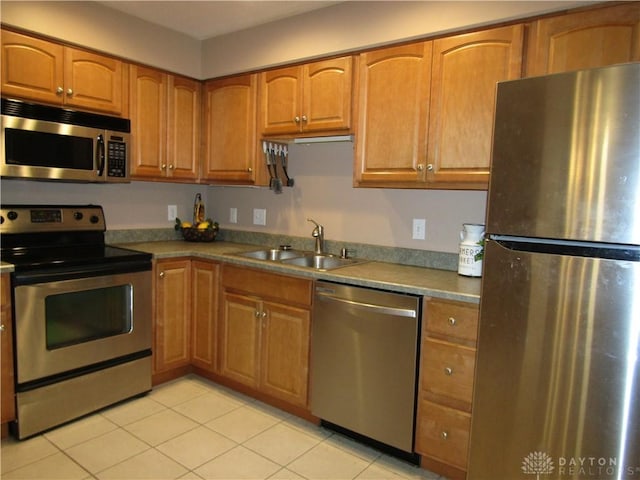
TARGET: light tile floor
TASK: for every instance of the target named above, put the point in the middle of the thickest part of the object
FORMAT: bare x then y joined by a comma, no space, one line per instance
194,429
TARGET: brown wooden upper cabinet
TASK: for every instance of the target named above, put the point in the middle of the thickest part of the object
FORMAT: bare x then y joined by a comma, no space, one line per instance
393,106
315,97
426,109
466,69
230,127
165,125
585,39
48,72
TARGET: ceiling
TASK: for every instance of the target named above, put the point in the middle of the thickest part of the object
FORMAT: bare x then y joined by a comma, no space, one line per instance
206,19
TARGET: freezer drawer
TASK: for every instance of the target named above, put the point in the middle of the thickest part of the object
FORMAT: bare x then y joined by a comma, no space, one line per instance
557,375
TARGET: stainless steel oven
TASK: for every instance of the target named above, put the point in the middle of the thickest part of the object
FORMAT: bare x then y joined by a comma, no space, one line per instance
82,313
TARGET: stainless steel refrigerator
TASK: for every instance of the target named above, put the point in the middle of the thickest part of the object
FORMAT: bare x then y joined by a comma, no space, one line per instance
557,386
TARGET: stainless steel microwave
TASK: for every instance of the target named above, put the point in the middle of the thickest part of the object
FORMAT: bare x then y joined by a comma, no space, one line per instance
51,143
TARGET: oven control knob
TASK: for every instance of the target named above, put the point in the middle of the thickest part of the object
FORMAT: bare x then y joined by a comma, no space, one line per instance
78,215
12,215
94,219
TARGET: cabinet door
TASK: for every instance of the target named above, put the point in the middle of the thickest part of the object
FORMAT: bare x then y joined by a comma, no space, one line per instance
6,349
148,122
587,39
393,102
183,128
281,100
173,312
240,338
466,69
204,284
230,130
285,353
327,95
31,68
93,81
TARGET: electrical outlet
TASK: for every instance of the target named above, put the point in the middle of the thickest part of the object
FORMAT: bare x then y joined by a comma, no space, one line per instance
419,228
172,213
233,215
259,216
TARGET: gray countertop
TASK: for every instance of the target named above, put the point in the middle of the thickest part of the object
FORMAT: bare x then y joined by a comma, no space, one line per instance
389,276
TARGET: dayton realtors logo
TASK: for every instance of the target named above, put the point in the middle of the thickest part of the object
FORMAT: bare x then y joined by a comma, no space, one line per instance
537,463
540,463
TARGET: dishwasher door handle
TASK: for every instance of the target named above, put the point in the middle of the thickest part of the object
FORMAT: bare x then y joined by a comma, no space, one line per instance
371,307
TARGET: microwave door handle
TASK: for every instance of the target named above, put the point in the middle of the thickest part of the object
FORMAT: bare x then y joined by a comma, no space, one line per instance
100,155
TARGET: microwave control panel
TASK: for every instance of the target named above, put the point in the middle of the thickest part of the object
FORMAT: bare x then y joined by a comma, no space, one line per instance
116,159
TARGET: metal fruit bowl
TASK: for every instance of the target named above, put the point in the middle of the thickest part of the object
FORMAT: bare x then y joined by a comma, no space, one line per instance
199,235
194,234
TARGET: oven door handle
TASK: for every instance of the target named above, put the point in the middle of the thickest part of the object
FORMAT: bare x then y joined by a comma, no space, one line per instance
67,273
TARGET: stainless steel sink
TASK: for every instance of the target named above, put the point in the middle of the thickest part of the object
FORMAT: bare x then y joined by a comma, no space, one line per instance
321,262
271,254
300,258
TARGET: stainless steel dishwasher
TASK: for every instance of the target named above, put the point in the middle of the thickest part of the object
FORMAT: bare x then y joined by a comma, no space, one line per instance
364,352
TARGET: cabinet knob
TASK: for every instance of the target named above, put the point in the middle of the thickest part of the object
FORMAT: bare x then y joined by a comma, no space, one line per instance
444,435
161,274
452,321
59,91
304,118
257,313
2,328
171,166
448,371
430,167
69,92
297,119
420,167
264,314
249,169
163,166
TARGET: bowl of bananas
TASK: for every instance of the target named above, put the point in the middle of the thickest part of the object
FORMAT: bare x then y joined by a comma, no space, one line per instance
200,232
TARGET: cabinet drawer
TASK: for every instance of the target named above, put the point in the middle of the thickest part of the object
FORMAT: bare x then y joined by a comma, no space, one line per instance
452,319
447,372
443,433
290,290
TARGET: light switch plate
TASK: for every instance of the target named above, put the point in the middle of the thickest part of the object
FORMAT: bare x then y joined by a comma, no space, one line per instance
419,229
259,216
172,212
233,215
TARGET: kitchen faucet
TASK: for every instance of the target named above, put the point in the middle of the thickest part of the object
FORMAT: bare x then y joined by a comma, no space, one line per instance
318,234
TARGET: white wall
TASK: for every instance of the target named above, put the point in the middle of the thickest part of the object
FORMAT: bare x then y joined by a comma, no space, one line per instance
323,191
107,30
356,25
126,206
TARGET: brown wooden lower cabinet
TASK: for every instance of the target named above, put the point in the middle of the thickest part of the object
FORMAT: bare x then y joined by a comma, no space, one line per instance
447,366
204,313
7,399
264,332
172,318
444,433
240,326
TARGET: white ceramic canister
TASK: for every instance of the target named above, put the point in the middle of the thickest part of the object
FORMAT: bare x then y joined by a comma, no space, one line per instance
471,249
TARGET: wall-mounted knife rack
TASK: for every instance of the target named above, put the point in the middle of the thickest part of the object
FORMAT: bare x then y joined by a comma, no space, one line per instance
276,156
